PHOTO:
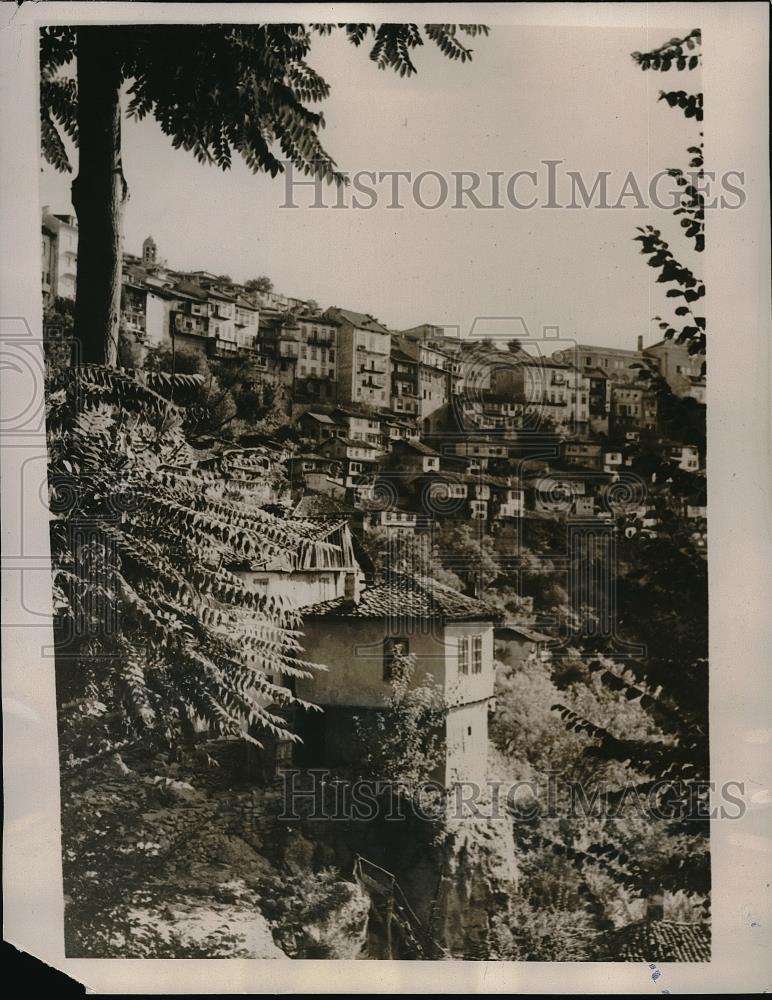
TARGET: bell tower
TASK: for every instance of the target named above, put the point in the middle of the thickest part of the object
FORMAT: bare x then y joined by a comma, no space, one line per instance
149,251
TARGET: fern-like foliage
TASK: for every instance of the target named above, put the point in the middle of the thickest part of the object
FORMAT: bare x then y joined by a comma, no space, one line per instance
158,639
217,89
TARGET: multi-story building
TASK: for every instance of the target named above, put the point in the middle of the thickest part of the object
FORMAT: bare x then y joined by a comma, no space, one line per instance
599,400
432,377
618,363
358,426
685,456
212,320
396,428
312,574
450,344
507,500
404,383
358,458
559,391
246,324
584,453
633,408
481,449
59,263
448,636
147,311
317,367
363,359
393,521
414,456
278,343
489,409
682,371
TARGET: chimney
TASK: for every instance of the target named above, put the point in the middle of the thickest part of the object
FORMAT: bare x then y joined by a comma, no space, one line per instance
640,342
655,906
351,586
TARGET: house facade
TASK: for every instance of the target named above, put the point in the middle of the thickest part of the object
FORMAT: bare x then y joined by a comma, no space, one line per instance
363,359
59,262
450,637
681,370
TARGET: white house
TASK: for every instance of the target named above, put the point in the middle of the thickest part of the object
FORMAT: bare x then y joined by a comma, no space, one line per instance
449,635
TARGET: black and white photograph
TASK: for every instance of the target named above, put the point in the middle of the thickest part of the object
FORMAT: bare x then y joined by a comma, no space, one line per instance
376,378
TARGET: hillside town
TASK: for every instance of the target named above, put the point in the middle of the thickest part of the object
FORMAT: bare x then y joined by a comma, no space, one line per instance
407,463
394,432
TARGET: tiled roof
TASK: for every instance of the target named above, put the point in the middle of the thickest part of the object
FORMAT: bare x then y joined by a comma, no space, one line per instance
619,351
406,597
361,320
661,941
444,476
349,443
319,505
421,448
321,418
521,630
358,414
191,290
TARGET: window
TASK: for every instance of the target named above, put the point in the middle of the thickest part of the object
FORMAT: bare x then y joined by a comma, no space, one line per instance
393,646
476,654
463,654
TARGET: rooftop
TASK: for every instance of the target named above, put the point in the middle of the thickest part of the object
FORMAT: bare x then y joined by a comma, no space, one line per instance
403,596
321,418
521,631
661,941
361,320
421,448
320,505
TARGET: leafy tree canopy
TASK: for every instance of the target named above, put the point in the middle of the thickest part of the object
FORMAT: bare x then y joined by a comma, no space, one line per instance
218,90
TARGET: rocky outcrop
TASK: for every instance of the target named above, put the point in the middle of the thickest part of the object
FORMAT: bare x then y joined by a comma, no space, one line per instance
227,926
478,877
342,931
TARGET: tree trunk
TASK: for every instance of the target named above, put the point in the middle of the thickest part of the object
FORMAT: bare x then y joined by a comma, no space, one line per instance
99,194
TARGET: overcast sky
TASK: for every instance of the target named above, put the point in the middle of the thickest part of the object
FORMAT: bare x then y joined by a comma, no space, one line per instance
530,94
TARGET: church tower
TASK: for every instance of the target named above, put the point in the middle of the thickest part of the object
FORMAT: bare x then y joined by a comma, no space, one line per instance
149,251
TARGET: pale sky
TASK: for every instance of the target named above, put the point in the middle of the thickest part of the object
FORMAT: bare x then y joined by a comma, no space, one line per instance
530,94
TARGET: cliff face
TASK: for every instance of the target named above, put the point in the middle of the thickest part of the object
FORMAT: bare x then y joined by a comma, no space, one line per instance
218,872
342,931
478,875
434,889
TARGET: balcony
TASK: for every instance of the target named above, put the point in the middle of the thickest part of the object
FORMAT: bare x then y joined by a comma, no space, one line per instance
223,348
